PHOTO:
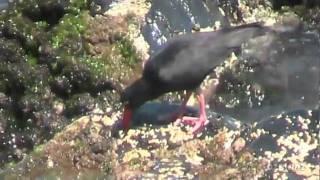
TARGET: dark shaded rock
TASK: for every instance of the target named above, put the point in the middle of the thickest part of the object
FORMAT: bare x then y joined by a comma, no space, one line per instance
79,104
99,6
5,101
314,156
61,86
48,122
51,13
277,4
166,18
289,141
285,125
12,79
24,32
10,51
36,8
231,9
100,85
79,78
41,69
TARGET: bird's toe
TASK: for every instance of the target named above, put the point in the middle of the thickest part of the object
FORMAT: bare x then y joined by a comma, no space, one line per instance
198,123
199,126
188,120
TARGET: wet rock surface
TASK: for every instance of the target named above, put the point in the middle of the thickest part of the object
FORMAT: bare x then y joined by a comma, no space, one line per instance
170,151
46,77
62,63
290,141
152,151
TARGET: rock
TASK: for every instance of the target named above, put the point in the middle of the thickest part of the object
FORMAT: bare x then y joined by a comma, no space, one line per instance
10,51
117,38
153,113
146,151
5,101
42,61
58,63
99,6
79,105
166,18
279,139
238,145
51,13
308,3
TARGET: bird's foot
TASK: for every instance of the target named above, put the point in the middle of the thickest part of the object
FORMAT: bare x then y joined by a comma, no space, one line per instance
176,117
198,123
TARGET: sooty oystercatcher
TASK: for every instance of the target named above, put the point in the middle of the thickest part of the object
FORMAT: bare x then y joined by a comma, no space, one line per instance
182,64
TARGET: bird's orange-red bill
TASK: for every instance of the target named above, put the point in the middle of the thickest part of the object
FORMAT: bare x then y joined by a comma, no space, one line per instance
127,116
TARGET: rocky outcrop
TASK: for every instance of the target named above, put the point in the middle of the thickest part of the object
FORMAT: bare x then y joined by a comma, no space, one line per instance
47,75
63,59
90,147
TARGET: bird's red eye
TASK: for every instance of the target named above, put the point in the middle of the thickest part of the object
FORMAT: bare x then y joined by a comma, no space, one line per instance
127,116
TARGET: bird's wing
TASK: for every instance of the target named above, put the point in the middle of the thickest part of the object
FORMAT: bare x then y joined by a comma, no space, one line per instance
189,58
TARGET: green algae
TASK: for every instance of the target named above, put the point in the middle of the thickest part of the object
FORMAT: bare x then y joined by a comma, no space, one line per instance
38,150
70,5
125,57
128,52
94,64
31,60
25,31
38,52
69,31
78,5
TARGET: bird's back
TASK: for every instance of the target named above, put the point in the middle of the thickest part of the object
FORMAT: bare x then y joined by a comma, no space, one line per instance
186,60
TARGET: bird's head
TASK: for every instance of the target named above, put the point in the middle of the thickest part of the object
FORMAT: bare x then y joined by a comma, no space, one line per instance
133,97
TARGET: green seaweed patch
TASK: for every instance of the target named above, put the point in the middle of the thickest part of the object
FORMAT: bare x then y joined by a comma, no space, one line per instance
128,52
41,24
18,6
119,58
78,144
38,150
31,60
10,165
94,64
21,26
78,5
119,55
69,5
69,32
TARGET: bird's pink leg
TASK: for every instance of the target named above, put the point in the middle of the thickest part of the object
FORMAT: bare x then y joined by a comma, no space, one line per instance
177,115
200,122
143,64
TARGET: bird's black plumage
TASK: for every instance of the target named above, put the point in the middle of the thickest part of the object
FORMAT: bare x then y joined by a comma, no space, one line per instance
185,61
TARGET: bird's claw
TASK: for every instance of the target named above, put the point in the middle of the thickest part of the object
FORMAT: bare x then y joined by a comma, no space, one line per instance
198,123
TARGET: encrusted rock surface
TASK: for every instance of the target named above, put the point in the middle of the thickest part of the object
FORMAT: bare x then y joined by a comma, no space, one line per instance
57,68
148,151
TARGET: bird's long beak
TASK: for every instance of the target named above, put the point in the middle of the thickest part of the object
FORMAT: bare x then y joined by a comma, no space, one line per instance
127,117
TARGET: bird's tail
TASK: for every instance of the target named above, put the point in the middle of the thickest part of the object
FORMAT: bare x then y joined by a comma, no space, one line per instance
235,36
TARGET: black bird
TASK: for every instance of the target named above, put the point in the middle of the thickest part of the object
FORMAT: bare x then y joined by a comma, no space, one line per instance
182,64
